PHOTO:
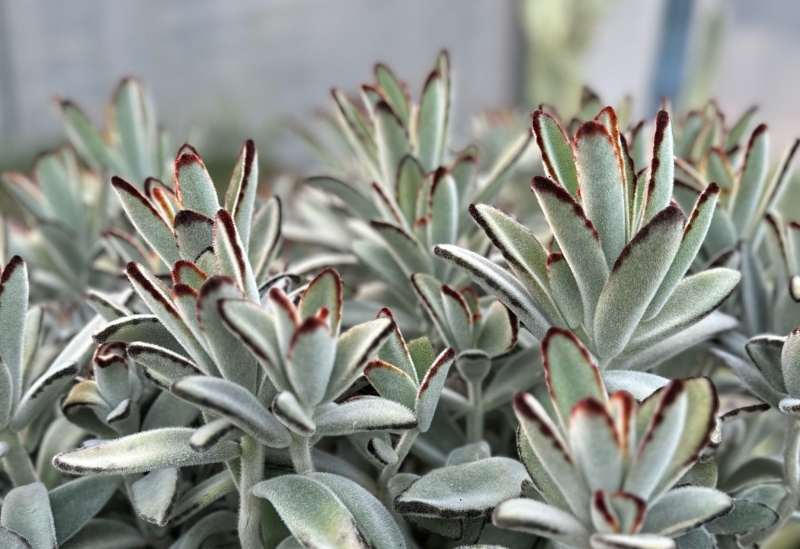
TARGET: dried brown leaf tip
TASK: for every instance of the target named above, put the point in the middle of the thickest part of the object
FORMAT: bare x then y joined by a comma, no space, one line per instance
447,355
182,268
185,218
524,409
279,299
123,186
545,185
309,325
667,216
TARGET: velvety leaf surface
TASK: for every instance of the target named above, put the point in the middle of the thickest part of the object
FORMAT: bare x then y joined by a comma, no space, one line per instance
234,403
142,452
312,512
467,490
155,494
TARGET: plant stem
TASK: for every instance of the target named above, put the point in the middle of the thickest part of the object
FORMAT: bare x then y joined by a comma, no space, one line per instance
300,451
249,505
791,477
17,462
475,416
403,447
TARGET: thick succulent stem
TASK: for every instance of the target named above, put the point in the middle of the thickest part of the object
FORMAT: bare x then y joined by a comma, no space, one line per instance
17,462
252,465
791,477
300,451
475,416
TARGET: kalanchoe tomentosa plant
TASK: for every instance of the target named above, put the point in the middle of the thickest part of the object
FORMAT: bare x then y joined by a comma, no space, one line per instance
615,275
204,343
71,205
229,402
408,184
604,468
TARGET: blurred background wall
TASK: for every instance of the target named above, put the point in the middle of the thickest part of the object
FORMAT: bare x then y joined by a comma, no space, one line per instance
221,71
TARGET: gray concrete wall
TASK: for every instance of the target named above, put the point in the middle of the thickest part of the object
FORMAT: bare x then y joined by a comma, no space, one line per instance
242,65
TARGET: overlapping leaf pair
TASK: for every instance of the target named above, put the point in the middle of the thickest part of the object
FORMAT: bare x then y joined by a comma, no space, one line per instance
604,468
615,274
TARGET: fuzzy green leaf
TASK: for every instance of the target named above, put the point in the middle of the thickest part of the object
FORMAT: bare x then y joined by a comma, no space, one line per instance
13,304
242,190
373,520
745,198
579,242
552,451
500,284
660,440
564,289
570,373
363,414
194,233
311,511
290,412
392,383
499,329
234,403
325,290
695,298
693,236
142,452
790,363
354,349
602,187
661,174
558,156
392,141
232,255
255,327
431,388
594,445
634,280
154,495
535,517
684,509
463,491
161,365
265,238
193,186
147,220
26,512
234,361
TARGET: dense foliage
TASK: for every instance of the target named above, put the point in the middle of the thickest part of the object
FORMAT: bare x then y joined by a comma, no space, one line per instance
386,360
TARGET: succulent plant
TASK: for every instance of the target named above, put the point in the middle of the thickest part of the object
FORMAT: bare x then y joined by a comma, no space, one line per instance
623,247
131,145
218,395
204,342
476,336
407,183
750,195
773,375
69,206
30,515
603,469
